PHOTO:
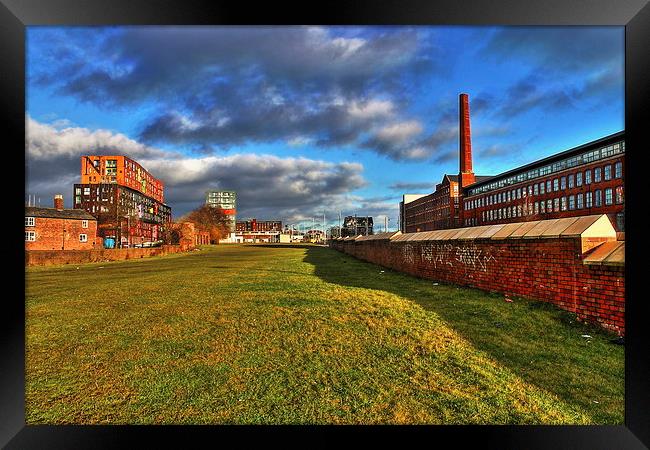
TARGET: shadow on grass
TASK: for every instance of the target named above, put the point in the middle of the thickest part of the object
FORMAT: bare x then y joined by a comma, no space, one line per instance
287,245
270,271
543,345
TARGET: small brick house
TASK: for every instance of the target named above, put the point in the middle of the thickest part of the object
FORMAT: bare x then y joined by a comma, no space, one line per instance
60,229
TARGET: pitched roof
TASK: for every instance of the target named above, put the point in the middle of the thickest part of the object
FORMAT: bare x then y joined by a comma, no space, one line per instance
478,178
481,178
36,211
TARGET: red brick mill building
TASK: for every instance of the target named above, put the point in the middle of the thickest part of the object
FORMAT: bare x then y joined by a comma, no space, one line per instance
581,181
59,229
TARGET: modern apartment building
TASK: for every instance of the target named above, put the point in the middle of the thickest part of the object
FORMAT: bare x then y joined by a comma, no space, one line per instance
127,201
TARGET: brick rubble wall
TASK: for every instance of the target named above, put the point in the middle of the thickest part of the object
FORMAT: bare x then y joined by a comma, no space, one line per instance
550,270
53,257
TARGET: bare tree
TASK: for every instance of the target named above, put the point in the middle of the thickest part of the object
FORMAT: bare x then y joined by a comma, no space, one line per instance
212,220
169,235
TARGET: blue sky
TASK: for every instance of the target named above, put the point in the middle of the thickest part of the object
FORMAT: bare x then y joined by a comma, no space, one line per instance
304,119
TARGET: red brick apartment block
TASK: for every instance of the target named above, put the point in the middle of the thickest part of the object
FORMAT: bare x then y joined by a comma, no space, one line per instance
574,263
59,229
127,201
102,169
258,225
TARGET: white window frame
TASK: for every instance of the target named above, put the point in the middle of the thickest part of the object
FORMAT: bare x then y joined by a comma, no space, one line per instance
30,221
609,197
84,224
83,238
30,236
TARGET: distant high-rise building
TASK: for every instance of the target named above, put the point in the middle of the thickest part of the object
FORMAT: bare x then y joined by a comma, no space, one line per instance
226,201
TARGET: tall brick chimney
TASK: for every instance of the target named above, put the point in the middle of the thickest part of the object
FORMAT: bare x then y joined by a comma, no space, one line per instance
58,201
466,175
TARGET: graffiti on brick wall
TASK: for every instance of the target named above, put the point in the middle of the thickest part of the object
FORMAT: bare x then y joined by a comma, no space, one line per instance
440,255
408,254
474,257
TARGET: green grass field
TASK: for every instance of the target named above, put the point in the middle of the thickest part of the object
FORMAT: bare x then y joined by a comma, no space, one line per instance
253,334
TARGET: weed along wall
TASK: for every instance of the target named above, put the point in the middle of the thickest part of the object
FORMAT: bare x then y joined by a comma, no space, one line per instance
574,263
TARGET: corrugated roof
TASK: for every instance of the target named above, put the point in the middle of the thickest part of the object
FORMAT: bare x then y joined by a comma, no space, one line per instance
410,237
590,226
610,253
564,224
597,225
525,227
540,227
506,230
474,232
379,236
491,230
36,211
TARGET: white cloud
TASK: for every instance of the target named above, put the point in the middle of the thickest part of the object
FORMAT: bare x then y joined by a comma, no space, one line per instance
370,109
349,46
267,186
46,142
401,131
299,141
417,153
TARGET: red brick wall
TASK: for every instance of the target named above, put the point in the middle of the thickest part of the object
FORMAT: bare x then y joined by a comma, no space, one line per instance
187,233
202,238
50,234
54,257
550,270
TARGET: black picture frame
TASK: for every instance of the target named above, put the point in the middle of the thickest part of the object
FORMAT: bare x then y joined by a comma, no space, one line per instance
15,15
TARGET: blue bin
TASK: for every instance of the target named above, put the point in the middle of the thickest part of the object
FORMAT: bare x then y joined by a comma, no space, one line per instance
109,243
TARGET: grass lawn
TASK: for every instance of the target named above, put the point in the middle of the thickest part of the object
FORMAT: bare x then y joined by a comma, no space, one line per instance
301,334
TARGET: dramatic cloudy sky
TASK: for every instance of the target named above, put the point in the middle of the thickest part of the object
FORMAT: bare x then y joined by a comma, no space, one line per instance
301,120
